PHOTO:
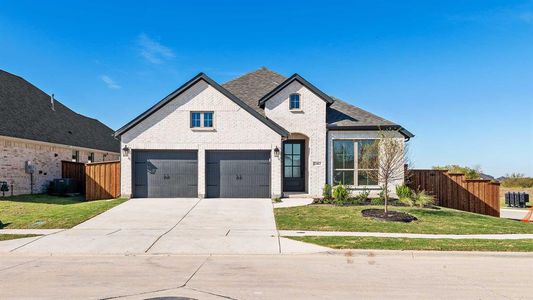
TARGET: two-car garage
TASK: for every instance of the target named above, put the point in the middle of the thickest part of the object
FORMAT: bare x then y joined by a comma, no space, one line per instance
228,173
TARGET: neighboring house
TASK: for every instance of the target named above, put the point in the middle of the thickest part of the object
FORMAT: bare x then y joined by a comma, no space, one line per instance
260,135
39,130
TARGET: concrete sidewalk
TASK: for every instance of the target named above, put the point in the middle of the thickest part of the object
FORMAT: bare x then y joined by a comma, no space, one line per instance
406,235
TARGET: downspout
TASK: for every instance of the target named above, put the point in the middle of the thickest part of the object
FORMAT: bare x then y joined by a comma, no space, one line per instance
326,160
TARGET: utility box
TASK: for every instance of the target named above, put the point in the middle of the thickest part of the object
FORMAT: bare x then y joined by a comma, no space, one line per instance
29,167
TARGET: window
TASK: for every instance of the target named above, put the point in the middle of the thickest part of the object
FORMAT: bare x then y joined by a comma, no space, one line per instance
292,160
91,157
202,119
294,101
347,169
208,119
75,156
195,119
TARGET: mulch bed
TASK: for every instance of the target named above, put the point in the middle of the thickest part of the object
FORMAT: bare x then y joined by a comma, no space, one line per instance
394,216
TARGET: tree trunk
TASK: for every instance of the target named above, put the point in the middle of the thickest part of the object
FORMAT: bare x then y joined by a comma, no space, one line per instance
386,196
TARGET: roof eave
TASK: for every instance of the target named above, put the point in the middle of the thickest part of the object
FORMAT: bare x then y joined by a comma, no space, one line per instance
406,133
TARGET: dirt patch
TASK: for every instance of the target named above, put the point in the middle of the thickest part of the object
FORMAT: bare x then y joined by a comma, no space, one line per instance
394,216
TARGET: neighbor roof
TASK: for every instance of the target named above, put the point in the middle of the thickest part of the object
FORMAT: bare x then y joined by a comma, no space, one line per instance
26,113
256,87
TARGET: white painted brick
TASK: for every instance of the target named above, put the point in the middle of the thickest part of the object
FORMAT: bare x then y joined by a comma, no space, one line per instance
311,122
169,128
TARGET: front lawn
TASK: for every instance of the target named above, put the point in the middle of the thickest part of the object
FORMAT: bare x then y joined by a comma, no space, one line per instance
47,212
339,242
5,237
438,221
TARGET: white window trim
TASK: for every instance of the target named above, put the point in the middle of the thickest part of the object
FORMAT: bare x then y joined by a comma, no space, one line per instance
356,162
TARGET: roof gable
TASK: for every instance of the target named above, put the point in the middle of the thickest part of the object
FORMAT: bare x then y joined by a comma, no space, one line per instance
201,76
302,81
27,113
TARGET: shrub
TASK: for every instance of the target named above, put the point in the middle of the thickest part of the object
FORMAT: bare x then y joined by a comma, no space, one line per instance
517,180
326,191
377,201
363,195
405,195
276,199
422,199
403,191
340,194
323,201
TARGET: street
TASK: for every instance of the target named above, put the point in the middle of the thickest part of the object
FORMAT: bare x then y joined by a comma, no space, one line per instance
334,275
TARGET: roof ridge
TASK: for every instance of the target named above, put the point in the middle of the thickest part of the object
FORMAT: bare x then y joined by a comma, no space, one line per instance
257,71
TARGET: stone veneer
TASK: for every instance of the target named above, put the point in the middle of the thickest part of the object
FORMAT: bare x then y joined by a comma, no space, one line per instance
46,158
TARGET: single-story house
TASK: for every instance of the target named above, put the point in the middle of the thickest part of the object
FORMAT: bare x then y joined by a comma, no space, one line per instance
38,130
259,135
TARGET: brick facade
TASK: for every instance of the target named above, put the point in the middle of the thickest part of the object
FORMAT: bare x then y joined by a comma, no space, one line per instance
169,128
309,121
45,157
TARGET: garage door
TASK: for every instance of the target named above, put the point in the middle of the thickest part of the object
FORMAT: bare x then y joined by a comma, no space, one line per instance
165,174
238,174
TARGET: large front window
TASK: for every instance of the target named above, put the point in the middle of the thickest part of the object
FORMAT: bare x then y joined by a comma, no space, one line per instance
352,169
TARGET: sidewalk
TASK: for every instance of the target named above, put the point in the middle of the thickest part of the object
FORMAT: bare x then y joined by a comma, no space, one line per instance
287,233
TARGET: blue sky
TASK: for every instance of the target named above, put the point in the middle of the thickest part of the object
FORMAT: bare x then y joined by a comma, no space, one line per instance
458,74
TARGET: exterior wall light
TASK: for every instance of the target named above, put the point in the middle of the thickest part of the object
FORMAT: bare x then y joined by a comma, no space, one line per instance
125,151
276,151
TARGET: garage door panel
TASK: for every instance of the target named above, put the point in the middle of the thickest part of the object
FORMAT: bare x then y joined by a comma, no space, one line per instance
165,174
238,174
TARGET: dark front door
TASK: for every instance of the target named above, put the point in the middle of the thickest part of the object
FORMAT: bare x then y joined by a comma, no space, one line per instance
158,174
294,166
238,174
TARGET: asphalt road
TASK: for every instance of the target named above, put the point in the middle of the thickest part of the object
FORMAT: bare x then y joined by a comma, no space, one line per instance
338,275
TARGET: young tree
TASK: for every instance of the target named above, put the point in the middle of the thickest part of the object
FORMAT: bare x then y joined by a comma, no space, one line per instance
386,157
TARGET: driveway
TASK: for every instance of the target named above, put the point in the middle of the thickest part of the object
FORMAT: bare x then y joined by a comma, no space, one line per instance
171,226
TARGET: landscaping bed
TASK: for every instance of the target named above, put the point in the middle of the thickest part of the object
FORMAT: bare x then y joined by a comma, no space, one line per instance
50,212
338,242
325,217
391,215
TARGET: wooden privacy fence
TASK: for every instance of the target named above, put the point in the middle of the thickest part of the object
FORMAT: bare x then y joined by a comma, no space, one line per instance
454,191
99,180
74,170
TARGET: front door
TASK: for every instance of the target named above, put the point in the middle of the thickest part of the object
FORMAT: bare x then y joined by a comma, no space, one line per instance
294,166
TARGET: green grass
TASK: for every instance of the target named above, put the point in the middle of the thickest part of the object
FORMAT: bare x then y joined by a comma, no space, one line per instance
5,237
349,218
45,211
339,242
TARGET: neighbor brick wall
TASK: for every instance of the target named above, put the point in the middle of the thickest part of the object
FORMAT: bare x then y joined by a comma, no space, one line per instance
311,122
169,128
15,152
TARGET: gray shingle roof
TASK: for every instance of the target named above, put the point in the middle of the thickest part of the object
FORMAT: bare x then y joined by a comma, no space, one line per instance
253,86
25,112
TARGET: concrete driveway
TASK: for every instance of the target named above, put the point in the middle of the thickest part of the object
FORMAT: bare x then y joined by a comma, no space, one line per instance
171,226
